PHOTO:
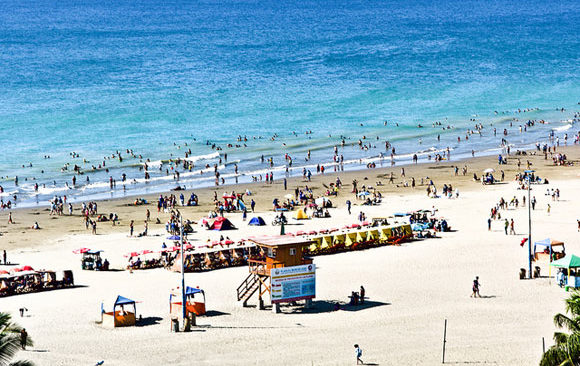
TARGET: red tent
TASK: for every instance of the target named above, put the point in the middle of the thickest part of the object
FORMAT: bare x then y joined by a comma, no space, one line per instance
221,223
27,268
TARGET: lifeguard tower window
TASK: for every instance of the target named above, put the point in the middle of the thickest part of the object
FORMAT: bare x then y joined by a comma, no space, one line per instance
271,253
292,251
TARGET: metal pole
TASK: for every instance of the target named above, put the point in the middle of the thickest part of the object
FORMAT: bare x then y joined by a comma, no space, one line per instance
529,230
183,305
543,346
444,340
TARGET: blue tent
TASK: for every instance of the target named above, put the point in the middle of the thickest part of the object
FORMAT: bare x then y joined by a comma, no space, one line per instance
121,300
257,221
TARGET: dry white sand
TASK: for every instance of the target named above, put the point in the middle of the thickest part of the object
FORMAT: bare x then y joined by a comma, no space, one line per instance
412,289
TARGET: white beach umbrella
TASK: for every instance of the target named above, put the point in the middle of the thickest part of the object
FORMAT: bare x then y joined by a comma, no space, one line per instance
489,170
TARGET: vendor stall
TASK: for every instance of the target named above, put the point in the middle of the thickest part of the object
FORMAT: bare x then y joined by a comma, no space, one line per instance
570,277
120,316
192,306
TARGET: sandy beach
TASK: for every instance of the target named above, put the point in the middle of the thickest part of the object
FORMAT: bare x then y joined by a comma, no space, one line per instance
412,288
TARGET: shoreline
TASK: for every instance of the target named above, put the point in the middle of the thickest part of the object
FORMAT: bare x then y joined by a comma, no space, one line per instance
20,234
163,182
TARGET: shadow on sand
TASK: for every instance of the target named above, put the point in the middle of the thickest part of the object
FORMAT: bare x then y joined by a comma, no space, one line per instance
324,306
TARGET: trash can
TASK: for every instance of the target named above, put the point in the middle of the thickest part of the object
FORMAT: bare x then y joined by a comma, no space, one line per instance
522,273
174,325
536,272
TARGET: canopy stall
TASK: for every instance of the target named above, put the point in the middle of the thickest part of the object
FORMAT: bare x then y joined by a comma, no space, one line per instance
192,306
569,262
549,249
121,317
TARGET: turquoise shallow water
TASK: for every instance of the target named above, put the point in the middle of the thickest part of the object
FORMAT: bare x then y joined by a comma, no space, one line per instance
95,77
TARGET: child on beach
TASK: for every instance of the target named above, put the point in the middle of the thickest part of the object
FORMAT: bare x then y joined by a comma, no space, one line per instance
358,354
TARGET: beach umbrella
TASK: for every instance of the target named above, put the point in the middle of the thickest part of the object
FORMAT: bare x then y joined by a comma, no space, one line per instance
27,268
4,272
289,196
313,232
489,170
81,250
132,254
146,251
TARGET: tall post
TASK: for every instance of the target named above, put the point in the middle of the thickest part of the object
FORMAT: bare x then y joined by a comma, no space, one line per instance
444,340
183,305
529,230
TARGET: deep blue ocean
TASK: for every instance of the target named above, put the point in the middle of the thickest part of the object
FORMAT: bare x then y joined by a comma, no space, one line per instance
96,77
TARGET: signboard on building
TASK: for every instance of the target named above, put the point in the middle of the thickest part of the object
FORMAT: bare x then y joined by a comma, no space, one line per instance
293,283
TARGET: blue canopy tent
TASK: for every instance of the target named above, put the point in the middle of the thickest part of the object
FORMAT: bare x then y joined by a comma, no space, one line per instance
257,221
192,306
121,317
549,244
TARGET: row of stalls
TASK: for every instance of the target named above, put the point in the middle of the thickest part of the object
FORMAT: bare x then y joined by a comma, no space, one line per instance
124,312
26,280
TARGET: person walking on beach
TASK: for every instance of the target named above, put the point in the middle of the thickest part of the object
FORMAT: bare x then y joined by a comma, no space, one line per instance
148,215
489,224
6,260
506,225
131,227
10,221
23,338
362,294
348,204
533,202
512,228
475,288
549,208
253,204
94,226
358,354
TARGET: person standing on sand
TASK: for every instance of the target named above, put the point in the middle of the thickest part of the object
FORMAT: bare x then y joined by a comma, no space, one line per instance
6,260
512,228
475,288
23,338
94,226
506,225
148,215
489,224
533,202
549,208
131,227
10,221
358,354
348,204
362,294
252,204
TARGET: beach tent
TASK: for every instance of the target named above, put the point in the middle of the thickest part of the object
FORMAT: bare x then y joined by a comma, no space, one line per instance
221,223
550,244
120,318
300,215
569,261
192,306
257,221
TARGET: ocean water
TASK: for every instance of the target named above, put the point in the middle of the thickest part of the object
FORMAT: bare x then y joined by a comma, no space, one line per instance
96,77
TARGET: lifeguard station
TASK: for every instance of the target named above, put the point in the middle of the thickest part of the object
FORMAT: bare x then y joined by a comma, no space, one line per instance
277,252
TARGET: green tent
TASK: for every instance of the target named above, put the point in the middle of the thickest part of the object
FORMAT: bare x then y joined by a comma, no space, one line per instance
569,261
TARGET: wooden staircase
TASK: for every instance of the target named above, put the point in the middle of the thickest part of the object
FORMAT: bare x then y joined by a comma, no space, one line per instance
250,285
